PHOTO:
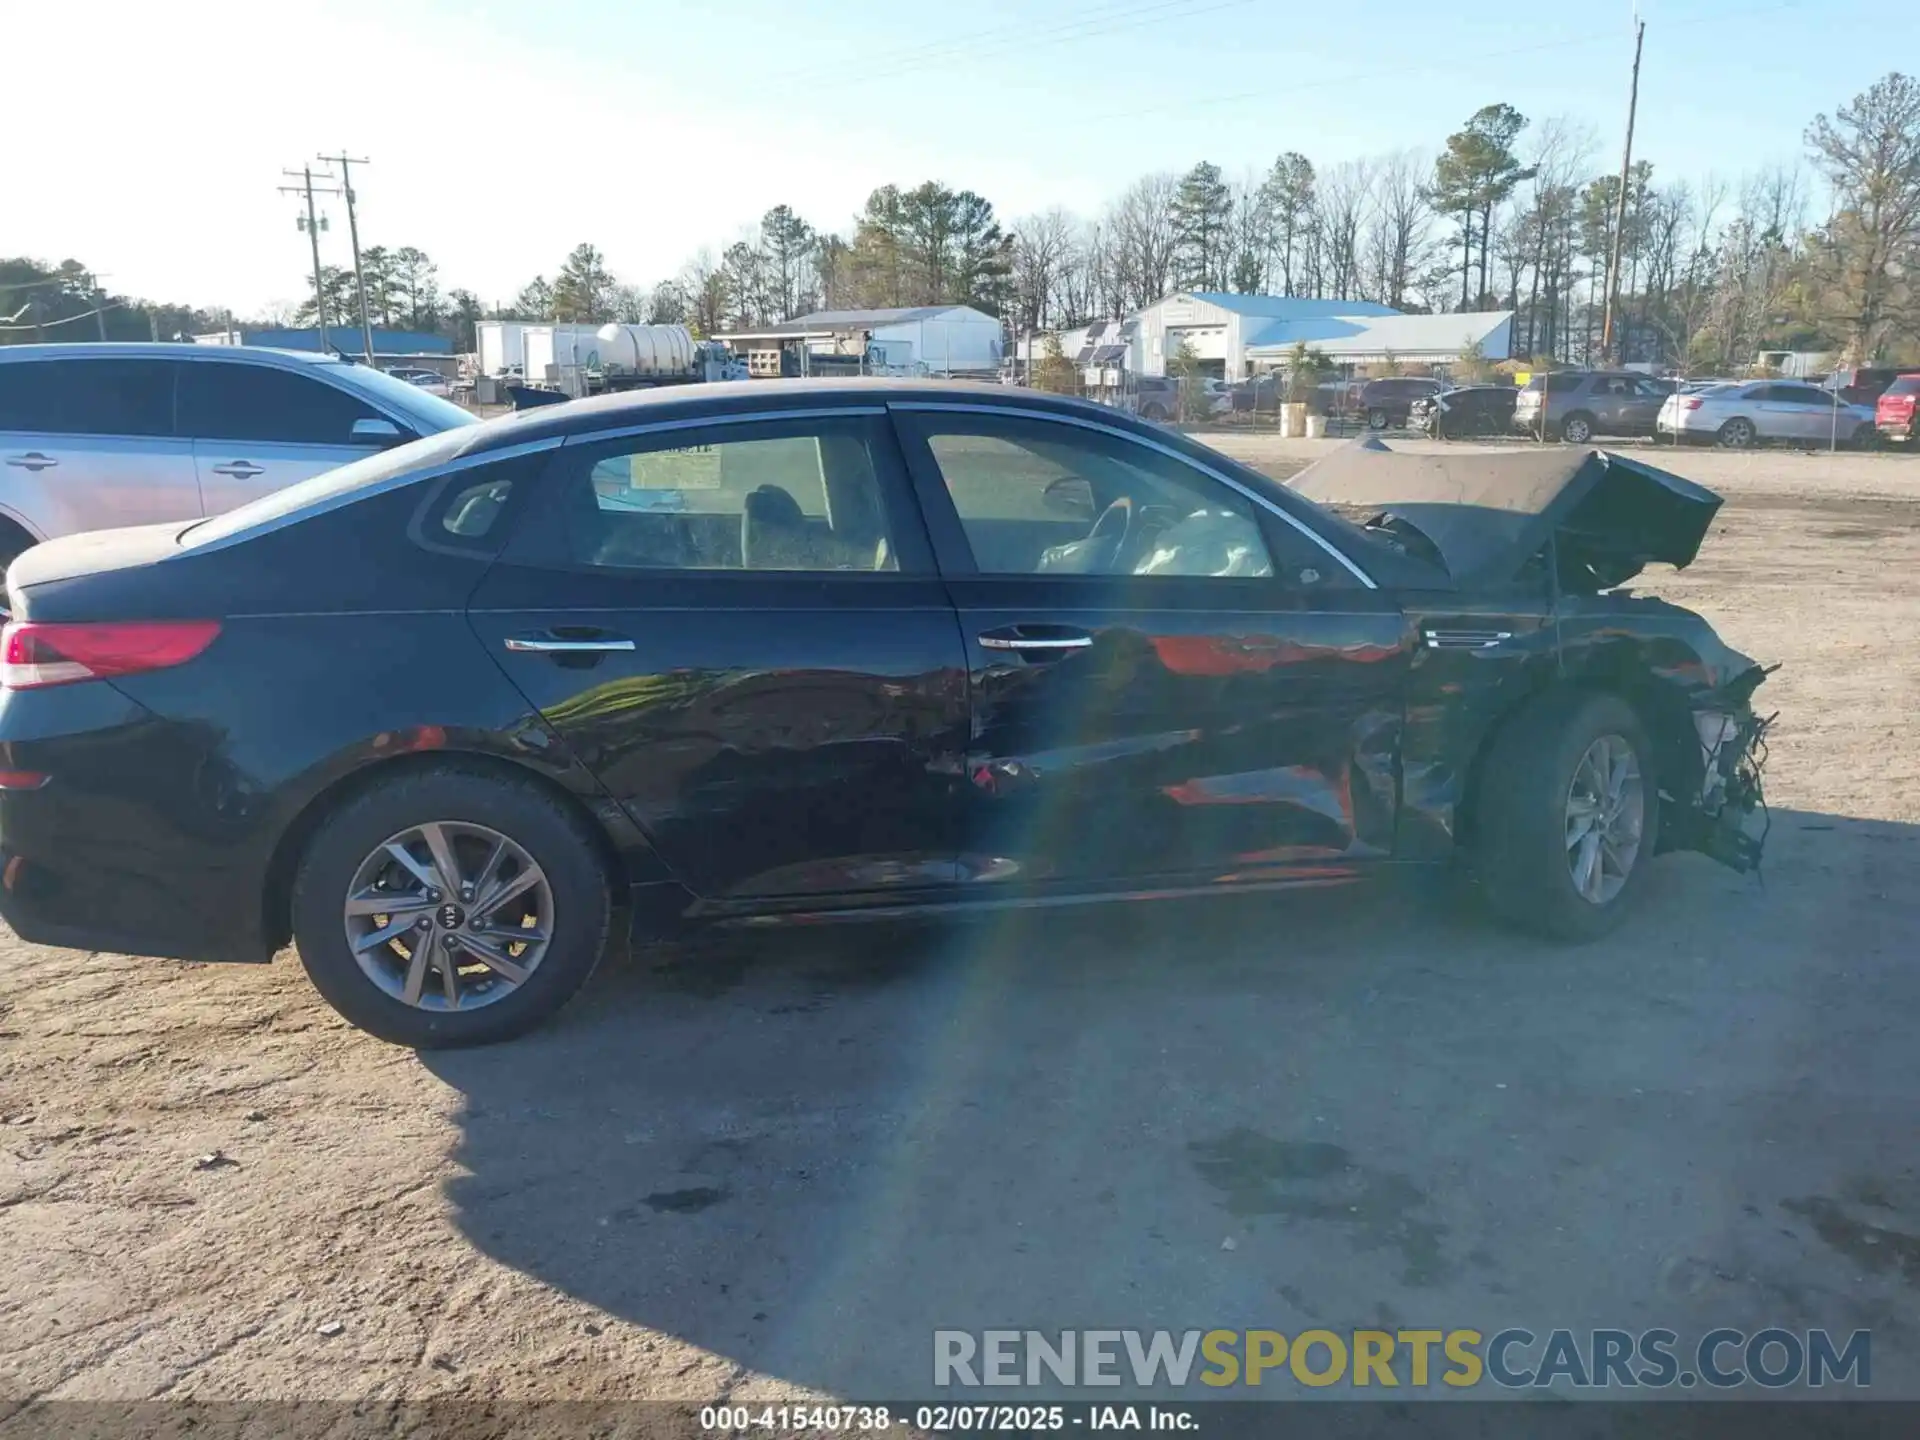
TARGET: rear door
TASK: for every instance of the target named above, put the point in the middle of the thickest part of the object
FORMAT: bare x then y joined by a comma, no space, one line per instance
259,428
88,443
1794,412
1171,684
736,625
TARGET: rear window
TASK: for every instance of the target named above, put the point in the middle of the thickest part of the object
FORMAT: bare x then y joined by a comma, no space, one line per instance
1905,385
331,487
88,397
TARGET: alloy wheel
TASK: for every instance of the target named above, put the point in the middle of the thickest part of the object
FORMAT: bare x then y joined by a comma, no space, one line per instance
1737,434
1606,819
448,915
1577,431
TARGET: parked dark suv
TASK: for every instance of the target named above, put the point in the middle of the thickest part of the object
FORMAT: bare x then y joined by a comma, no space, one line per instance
1388,402
1580,404
1470,410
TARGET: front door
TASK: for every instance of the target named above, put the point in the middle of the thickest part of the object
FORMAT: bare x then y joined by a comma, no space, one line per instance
256,428
738,628
1172,683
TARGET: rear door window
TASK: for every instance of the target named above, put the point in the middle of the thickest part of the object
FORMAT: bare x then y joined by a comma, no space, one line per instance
107,396
226,401
820,495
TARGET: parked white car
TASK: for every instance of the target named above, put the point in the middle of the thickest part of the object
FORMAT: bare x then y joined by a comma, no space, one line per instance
1756,411
94,436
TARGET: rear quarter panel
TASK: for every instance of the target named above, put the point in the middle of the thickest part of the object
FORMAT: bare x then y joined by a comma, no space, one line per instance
344,646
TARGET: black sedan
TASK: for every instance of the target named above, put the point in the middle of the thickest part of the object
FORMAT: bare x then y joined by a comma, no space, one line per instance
793,650
1468,411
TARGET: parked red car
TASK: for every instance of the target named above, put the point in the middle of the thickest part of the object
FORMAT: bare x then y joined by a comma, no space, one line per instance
1894,413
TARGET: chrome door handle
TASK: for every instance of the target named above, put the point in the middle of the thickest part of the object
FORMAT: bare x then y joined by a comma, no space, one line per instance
990,641
32,460
544,645
240,469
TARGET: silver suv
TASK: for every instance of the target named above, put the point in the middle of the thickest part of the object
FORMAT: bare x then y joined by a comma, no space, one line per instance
94,436
1581,404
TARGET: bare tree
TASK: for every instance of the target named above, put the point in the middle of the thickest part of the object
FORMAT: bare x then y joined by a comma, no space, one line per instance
1560,156
704,284
1042,251
1399,240
1345,200
1145,240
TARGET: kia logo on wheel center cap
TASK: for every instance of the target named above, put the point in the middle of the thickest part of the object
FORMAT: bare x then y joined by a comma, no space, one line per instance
452,917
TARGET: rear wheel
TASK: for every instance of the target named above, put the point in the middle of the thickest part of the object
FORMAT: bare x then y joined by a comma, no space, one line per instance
13,540
1567,816
1577,429
450,908
1737,434
1865,437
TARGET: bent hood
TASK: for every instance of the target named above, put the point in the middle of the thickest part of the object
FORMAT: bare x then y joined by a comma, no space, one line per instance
1489,514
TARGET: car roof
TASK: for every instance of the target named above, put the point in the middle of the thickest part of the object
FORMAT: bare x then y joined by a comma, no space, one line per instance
729,397
171,350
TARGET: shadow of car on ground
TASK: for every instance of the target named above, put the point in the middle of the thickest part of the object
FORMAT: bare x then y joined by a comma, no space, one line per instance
807,1152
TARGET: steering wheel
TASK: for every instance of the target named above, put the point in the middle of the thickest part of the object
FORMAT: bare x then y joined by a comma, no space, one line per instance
1108,537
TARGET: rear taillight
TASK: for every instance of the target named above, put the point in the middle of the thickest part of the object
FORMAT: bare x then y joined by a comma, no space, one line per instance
1690,404
33,655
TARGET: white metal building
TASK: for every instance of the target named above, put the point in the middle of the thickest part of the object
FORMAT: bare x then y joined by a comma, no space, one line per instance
1238,335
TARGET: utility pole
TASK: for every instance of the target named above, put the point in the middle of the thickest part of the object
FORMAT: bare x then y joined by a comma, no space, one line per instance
312,223
1620,211
99,303
346,162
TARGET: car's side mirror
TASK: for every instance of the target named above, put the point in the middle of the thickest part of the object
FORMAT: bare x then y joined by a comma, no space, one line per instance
370,430
1070,496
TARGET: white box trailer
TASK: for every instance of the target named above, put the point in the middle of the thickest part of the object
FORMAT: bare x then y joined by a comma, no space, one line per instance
500,344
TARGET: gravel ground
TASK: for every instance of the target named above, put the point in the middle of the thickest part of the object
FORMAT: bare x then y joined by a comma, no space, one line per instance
772,1168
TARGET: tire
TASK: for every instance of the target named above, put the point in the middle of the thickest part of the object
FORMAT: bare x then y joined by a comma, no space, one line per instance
470,811
1522,858
1737,434
13,541
1378,419
1577,428
1154,411
1865,437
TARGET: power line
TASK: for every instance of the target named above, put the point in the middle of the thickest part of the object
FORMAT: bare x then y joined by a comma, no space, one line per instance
912,52
1027,38
100,310
1426,67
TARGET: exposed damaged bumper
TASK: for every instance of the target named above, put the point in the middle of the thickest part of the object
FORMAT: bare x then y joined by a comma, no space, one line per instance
1727,819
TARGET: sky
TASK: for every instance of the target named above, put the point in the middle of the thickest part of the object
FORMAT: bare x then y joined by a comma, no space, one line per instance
501,133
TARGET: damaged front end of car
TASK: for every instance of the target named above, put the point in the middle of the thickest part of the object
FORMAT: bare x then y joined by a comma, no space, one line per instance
1725,816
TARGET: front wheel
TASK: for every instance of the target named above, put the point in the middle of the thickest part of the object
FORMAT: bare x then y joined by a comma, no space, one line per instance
1737,434
1865,437
1378,419
1567,817
1576,430
449,907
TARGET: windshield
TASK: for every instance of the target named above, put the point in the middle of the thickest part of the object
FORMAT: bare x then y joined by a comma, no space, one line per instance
331,485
